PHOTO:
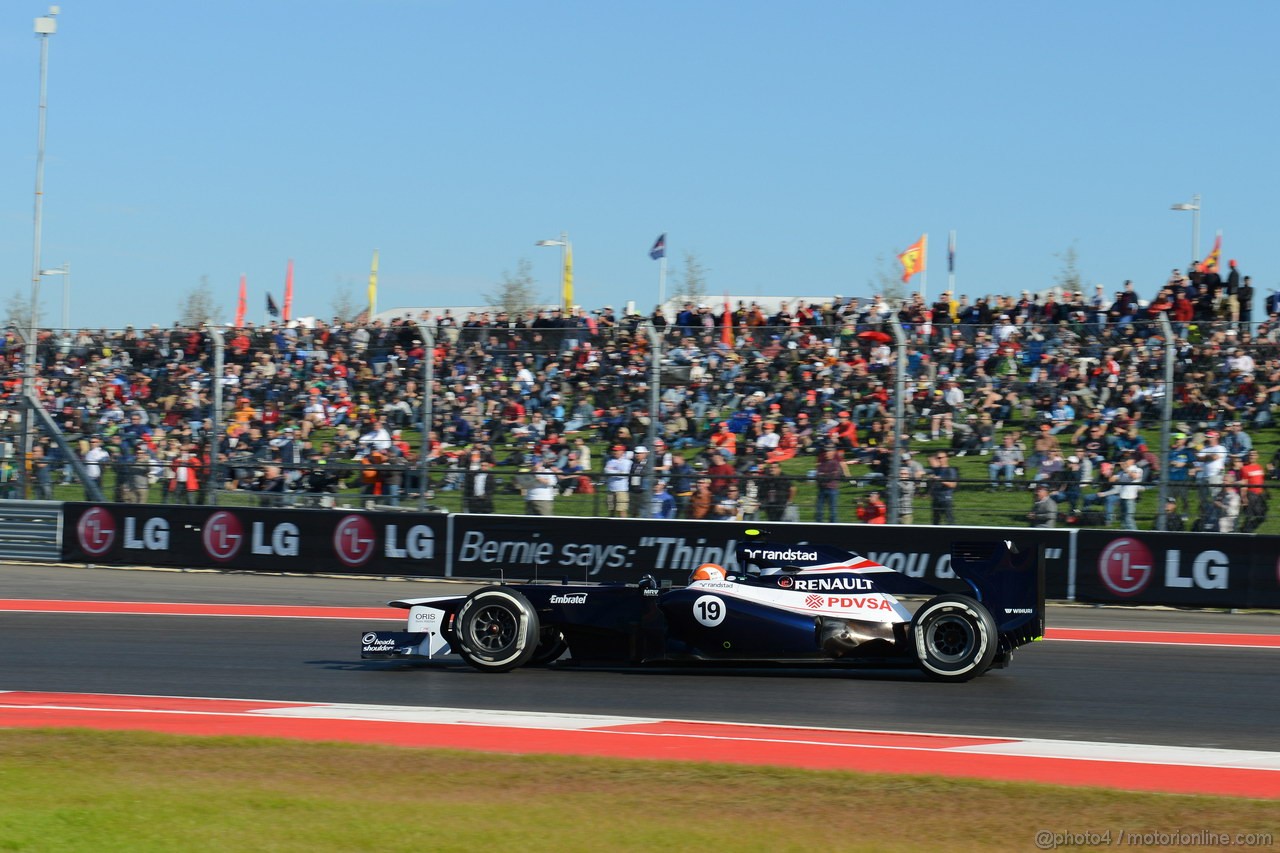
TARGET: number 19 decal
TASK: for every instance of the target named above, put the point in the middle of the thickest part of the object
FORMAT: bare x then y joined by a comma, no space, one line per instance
709,610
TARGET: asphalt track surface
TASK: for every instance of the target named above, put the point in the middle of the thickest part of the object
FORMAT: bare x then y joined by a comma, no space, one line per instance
1205,696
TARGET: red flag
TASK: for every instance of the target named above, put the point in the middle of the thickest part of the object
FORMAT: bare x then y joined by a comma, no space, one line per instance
1214,258
288,292
726,331
242,305
913,257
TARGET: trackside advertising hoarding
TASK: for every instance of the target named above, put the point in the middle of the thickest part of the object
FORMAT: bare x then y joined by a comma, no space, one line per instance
1112,567
270,540
600,549
1178,569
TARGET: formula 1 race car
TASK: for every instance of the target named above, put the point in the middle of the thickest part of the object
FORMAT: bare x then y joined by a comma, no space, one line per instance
789,605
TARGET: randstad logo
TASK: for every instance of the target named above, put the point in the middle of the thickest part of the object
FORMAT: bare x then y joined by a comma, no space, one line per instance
780,555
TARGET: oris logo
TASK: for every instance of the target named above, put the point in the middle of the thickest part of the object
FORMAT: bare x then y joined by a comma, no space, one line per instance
222,536
354,540
785,582
97,531
1126,567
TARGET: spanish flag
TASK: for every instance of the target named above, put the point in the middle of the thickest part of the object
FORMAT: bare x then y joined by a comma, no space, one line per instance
567,288
913,257
373,286
1213,259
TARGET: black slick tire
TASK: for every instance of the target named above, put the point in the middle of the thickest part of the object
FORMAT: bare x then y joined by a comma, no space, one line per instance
955,638
497,630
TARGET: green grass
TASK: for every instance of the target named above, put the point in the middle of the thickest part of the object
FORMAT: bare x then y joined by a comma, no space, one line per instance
974,504
71,790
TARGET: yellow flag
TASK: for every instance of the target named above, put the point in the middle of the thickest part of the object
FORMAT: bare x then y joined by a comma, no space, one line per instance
373,286
567,292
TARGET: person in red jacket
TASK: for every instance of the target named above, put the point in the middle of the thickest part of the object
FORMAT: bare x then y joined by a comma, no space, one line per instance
873,510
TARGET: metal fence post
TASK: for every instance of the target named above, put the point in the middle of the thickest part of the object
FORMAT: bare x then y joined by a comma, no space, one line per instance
1166,417
214,439
899,415
428,408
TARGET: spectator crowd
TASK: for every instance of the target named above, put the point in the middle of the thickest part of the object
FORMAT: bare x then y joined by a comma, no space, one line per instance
1061,391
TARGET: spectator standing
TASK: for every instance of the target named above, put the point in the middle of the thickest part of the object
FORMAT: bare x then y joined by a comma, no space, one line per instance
41,473
1227,505
703,499
478,487
617,469
776,492
943,479
680,479
540,496
95,458
1213,463
1182,462
872,510
662,504
907,486
641,468
830,472
728,507
1174,521
1044,512
1005,462
1130,481
136,475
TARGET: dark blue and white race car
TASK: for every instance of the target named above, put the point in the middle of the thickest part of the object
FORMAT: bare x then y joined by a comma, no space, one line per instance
794,605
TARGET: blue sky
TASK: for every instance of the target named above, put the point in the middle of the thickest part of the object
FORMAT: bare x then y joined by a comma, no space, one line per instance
789,145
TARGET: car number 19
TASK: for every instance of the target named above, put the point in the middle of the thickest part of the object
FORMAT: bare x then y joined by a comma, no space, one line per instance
709,610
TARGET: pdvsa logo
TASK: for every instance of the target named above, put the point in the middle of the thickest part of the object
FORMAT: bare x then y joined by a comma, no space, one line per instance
354,540
222,536
97,531
1126,567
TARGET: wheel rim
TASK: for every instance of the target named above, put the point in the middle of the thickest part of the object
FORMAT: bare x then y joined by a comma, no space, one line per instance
950,638
494,628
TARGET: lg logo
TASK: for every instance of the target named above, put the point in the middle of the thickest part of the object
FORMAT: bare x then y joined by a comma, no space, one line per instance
354,540
97,531
222,536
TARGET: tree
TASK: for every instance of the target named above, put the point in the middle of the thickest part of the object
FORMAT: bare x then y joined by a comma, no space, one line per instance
886,279
344,303
515,294
1068,278
693,281
18,311
198,305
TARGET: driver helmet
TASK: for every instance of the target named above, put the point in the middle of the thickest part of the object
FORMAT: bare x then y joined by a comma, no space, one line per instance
708,572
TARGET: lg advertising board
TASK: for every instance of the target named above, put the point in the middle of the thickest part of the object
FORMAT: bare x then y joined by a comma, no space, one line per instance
1178,569
275,540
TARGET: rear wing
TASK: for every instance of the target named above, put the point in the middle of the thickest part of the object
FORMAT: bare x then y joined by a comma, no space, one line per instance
1009,581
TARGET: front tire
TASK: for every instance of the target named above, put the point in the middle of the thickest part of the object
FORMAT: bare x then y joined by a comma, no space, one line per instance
955,638
497,630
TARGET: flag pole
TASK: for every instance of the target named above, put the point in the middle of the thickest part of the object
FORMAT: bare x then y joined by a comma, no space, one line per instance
662,282
924,268
951,264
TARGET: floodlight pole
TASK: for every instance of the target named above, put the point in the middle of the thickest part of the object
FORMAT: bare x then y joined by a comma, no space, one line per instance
44,27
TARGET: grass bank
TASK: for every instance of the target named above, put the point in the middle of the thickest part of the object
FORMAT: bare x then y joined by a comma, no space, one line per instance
104,791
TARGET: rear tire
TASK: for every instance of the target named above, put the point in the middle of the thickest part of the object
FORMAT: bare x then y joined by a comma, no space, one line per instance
497,630
955,638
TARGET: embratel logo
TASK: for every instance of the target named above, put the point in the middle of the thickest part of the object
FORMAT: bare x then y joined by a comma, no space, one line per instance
1126,567
222,536
354,540
97,531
